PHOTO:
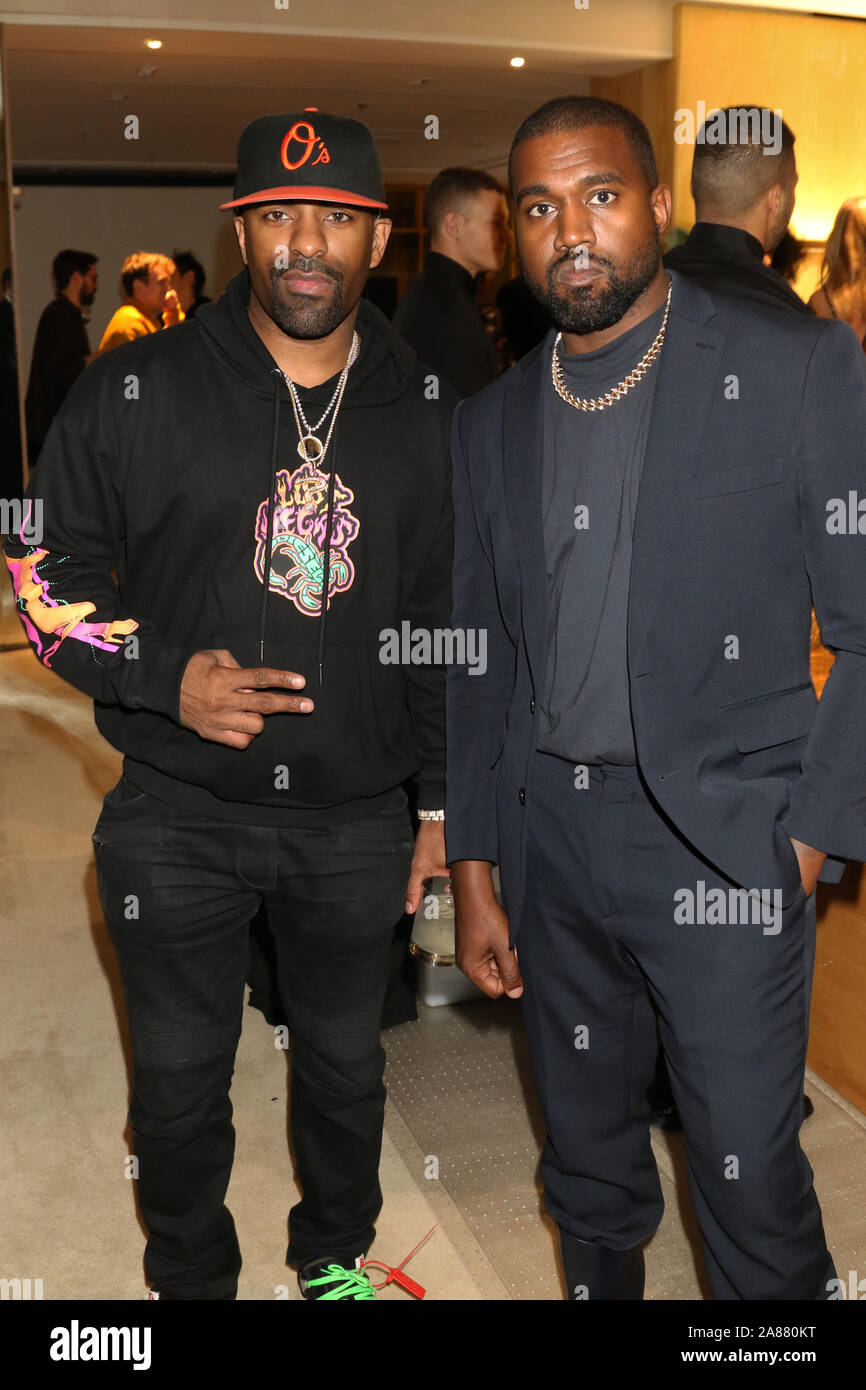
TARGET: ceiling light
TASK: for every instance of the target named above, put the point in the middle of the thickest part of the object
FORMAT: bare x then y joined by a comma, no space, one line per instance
517,62
154,43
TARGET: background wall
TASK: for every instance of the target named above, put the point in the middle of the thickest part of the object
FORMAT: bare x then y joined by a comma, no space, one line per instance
112,222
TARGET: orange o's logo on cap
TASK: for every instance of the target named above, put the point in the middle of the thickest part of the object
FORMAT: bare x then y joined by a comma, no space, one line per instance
302,139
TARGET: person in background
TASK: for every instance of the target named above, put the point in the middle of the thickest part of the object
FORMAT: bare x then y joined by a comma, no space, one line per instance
189,282
744,197
150,300
10,429
842,292
61,348
466,214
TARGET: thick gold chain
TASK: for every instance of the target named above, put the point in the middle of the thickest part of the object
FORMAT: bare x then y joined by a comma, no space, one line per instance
617,392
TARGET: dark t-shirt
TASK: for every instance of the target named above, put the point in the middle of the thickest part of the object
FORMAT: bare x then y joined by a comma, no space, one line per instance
591,473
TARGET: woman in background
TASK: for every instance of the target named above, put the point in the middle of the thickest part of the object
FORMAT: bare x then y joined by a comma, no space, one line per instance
842,292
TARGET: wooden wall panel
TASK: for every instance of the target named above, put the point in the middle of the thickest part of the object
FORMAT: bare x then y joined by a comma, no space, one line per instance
810,66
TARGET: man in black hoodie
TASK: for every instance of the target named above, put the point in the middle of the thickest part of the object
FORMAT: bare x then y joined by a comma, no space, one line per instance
223,470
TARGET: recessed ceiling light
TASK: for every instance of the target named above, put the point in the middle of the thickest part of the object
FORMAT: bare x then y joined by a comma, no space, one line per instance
517,62
154,43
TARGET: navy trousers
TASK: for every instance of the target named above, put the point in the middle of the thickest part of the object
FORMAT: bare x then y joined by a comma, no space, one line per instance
619,923
179,892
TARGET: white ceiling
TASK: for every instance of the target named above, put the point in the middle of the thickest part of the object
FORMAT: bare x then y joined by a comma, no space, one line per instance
75,72
71,87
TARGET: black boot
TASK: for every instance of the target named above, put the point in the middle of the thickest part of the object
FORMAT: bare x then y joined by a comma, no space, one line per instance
595,1271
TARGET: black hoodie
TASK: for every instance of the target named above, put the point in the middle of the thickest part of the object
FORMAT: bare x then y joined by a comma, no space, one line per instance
159,467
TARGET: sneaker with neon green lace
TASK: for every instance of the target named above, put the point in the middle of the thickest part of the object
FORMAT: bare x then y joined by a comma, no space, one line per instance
332,1280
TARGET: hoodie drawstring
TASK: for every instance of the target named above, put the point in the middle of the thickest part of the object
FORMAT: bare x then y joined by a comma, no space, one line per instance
270,494
326,568
326,557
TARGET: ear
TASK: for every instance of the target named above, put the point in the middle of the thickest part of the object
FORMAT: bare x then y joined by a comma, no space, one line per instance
381,232
452,224
240,232
660,202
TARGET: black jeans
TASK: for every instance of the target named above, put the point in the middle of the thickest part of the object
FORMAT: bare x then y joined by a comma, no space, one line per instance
178,892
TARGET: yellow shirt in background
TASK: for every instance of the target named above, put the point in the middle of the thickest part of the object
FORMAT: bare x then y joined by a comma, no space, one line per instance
127,323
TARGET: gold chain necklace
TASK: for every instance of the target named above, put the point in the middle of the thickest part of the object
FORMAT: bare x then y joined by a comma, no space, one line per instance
310,447
617,392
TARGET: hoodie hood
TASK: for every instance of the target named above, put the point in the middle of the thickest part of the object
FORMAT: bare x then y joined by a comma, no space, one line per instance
380,375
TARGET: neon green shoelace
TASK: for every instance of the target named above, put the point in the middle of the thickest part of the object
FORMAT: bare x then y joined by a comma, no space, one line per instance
351,1283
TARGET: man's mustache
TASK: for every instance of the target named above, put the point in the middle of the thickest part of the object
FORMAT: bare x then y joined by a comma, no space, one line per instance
310,268
577,255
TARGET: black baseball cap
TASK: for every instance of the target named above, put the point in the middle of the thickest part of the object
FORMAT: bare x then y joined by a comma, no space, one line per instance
308,156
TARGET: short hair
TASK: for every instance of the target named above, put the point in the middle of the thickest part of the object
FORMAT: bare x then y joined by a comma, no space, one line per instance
451,190
65,264
564,114
139,265
730,176
184,261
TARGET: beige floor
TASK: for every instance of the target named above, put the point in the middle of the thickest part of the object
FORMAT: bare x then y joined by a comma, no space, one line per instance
68,1214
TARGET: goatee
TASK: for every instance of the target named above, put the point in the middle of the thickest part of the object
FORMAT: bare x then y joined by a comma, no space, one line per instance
305,319
581,309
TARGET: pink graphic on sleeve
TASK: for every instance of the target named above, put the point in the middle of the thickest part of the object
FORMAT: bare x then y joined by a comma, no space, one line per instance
43,616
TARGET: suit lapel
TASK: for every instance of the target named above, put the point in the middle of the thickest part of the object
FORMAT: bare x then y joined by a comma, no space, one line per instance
523,453
689,368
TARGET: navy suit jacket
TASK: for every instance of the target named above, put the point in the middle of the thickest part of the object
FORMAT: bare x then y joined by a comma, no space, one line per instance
758,424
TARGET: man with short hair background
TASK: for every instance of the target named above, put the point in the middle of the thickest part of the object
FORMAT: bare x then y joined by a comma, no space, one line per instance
61,348
151,301
189,282
466,214
744,192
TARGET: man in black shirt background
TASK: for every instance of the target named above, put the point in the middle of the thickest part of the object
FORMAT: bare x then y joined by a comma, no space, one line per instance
61,349
467,216
744,198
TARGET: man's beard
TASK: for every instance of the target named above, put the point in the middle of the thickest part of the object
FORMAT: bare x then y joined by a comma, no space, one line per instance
87,298
305,319
584,309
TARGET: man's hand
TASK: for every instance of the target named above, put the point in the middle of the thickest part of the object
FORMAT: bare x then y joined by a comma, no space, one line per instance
172,313
428,861
811,863
483,953
224,702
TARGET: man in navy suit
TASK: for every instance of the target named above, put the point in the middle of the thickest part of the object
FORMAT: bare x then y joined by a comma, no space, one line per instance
646,506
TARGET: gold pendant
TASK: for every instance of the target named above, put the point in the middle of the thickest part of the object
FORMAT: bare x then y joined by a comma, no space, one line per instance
310,448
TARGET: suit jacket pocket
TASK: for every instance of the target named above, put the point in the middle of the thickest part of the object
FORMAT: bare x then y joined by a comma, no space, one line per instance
742,477
767,720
